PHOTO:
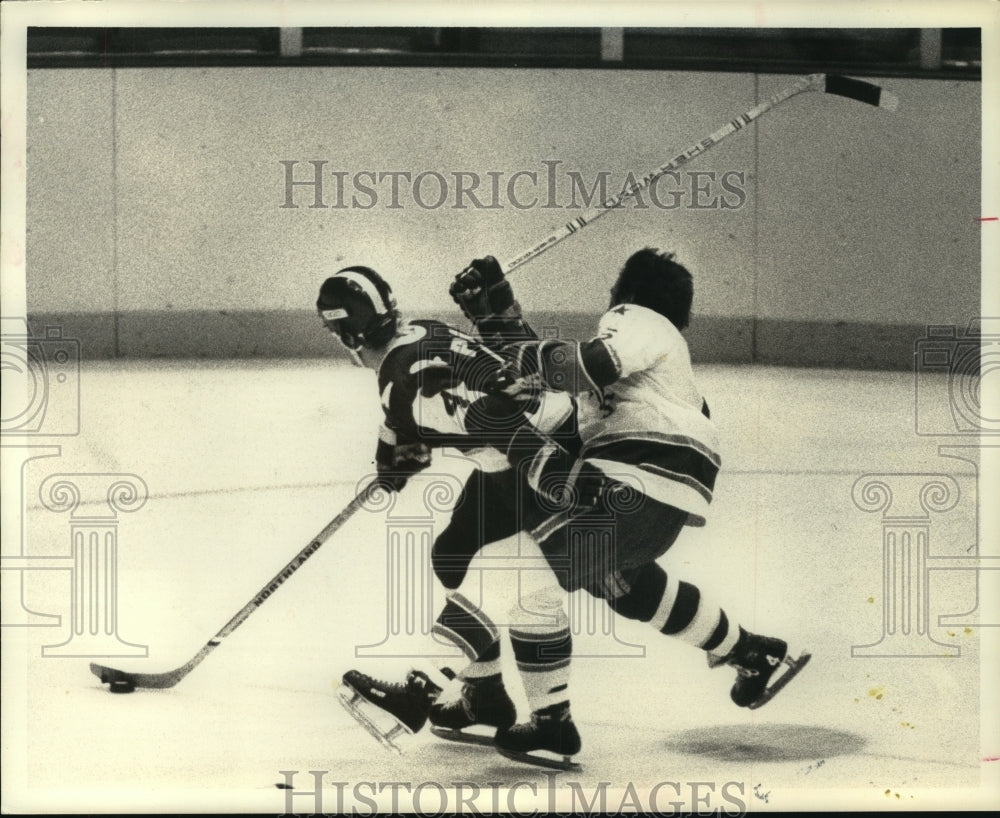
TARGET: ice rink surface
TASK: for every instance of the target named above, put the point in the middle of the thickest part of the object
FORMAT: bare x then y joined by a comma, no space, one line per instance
245,462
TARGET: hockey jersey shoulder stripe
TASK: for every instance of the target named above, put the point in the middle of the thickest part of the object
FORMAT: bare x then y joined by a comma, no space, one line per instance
600,362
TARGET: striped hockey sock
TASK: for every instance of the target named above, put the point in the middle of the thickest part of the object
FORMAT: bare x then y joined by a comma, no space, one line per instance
464,624
543,655
673,607
486,665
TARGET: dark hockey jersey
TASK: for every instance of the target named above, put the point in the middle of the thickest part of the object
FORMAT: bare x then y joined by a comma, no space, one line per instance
432,381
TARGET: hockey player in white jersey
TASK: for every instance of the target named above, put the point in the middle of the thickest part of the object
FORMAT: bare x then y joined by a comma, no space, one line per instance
649,459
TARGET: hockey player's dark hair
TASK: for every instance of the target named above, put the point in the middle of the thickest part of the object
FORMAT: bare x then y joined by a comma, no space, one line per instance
654,280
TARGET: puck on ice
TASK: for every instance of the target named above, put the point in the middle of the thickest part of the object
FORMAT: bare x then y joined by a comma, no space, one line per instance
121,686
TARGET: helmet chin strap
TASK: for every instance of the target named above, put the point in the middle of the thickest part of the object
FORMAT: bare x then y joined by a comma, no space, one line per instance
368,357
371,357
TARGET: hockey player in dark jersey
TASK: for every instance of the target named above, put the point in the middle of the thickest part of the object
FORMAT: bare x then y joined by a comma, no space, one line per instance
430,379
649,460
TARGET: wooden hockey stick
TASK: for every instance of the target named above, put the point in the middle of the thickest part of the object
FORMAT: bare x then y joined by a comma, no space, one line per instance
859,90
123,681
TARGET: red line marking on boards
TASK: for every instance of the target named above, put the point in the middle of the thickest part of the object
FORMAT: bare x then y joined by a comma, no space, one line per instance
988,218
991,758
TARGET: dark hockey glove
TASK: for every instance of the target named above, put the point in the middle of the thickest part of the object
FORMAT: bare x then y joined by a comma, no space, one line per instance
584,491
509,382
481,289
397,462
564,481
589,488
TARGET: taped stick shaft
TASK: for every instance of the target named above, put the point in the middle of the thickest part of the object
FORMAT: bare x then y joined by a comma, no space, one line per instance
840,86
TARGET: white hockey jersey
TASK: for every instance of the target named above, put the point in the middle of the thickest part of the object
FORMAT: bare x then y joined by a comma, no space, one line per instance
641,417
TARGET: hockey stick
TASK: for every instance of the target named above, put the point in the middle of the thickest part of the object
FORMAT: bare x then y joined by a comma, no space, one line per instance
839,86
123,682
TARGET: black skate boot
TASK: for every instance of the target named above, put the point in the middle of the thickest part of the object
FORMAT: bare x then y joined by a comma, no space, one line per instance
408,703
756,660
482,701
550,729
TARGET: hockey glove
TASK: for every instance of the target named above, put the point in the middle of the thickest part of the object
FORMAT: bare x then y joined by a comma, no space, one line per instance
396,462
590,487
560,478
583,489
509,382
517,377
481,289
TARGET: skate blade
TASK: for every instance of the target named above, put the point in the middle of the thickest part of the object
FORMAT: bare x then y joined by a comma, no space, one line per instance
794,668
566,763
462,737
353,702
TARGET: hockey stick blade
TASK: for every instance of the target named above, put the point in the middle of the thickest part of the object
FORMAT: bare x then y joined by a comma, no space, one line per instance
110,675
861,91
835,85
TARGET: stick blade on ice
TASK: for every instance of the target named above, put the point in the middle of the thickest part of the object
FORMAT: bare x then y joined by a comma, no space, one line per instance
110,675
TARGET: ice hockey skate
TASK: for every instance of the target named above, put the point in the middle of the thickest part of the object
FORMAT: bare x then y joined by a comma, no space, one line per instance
397,707
756,660
482,702
551,730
